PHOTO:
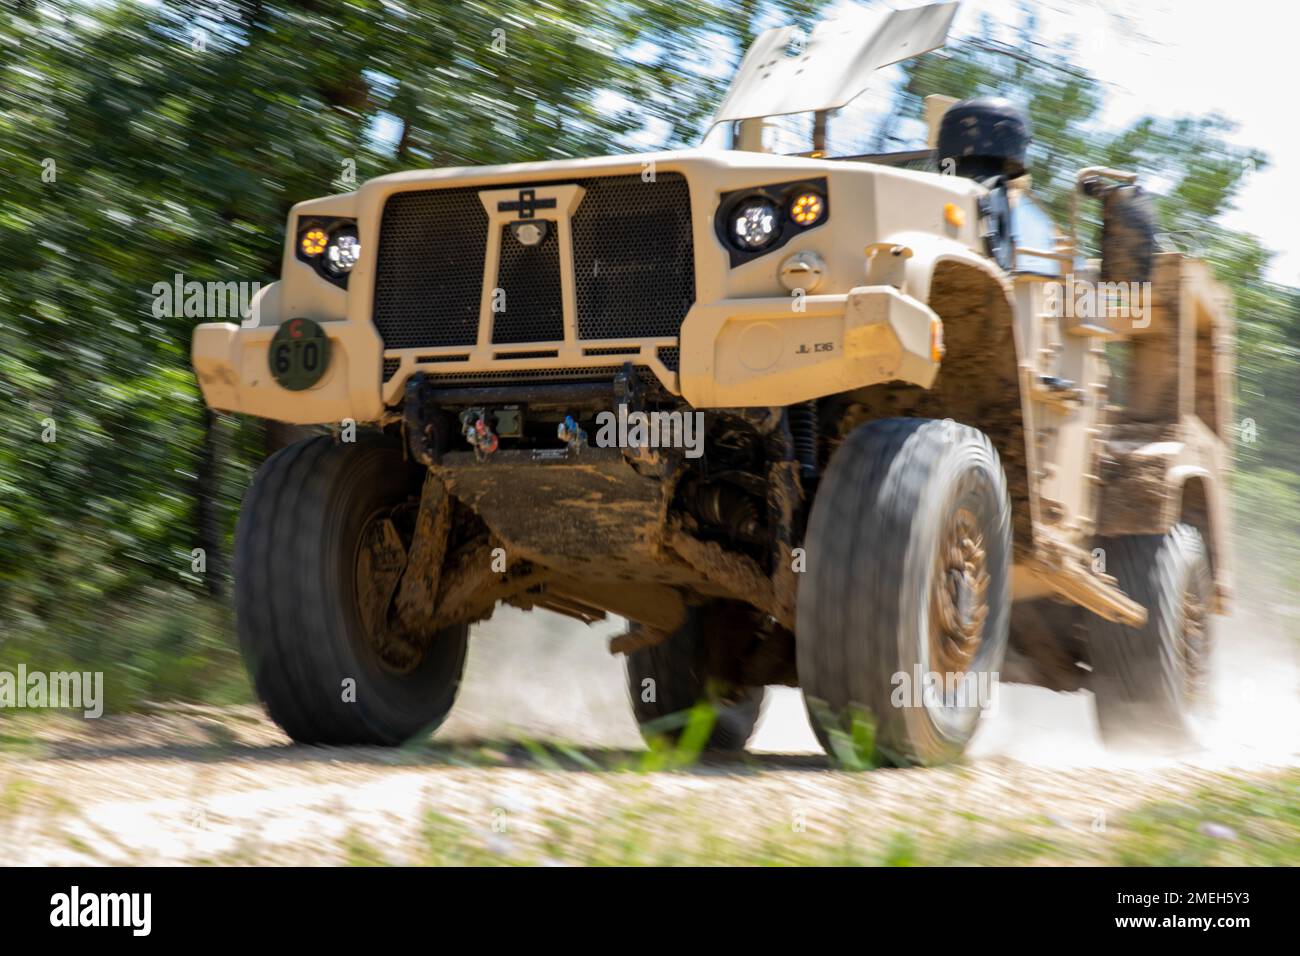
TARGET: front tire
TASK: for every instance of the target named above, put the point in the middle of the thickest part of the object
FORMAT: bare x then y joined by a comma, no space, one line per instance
908,575
1150,683
306,568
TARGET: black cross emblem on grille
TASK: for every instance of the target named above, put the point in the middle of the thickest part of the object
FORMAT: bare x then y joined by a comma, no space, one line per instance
527,204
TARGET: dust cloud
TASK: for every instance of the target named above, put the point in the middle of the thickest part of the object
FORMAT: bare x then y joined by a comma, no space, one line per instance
539,676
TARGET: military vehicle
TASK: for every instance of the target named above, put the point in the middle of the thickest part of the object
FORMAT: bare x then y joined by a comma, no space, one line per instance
878,424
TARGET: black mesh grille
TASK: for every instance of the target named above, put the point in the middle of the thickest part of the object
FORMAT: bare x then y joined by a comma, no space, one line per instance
634,266
541,376
390,368
633,257
540,353
429,269
529,280
670,357
595,373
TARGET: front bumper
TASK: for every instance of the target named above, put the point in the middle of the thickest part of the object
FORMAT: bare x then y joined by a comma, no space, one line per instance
232,364
754,352
734,353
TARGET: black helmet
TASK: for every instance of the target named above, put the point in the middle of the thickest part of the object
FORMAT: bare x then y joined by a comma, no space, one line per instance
986,136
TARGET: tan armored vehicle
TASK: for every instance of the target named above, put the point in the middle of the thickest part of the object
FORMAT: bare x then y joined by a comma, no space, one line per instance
869,426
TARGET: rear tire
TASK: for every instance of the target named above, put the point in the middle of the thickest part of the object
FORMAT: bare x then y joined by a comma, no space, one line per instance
298,592
908,574
1150,683
679,670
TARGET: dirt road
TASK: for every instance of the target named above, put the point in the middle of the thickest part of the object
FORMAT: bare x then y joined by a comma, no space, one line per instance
572,784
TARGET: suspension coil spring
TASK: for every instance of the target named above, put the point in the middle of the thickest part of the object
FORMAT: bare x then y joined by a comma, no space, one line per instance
803,430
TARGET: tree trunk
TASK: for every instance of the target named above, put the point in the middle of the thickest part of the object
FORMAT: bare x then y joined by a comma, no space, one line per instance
207,506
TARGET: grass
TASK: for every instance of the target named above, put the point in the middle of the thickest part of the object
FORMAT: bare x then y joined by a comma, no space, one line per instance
1235,822
18,734
1263,817
357,852
13,795
1230,822
164,644
80,845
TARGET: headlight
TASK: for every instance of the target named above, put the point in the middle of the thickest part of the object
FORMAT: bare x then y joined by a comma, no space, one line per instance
314,242
343,251
754,224
755,221
806,209
330,245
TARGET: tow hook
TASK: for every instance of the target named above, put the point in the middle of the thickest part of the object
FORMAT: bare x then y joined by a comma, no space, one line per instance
478,433
627,394
571,434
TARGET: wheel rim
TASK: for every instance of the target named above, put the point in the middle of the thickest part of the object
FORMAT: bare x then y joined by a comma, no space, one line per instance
377,566
958,602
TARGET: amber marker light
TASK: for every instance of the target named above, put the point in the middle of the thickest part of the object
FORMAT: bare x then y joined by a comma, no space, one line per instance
955,215
314,242
936,340
807,209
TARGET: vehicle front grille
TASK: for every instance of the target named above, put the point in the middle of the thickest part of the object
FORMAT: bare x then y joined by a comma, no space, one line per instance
429,268
634,266
633,257
528,305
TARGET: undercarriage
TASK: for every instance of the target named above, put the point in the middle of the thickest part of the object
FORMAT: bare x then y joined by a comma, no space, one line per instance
639,531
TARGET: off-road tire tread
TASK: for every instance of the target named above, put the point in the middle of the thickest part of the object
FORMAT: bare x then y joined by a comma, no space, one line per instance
853,591
680,683
293,634
1136,674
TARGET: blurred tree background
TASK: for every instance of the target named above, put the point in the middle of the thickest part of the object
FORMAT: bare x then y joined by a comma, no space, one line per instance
142,140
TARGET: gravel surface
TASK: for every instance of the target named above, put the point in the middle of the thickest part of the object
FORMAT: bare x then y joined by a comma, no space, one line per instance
193,784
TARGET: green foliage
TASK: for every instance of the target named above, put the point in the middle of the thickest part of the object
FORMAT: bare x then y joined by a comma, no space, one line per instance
157,644
850,738
676,741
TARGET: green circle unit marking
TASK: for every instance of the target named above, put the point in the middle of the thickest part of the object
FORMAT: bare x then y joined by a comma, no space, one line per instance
300,353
